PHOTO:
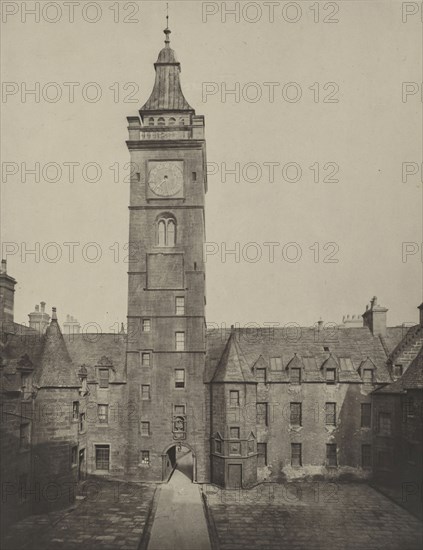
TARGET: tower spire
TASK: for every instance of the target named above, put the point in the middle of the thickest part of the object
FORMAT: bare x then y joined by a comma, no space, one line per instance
167,31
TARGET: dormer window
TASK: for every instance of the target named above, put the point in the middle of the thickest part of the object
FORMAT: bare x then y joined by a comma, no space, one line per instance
368,376
397,371
166,230
330,376
172,121
151,121
161,121
103,378
295,375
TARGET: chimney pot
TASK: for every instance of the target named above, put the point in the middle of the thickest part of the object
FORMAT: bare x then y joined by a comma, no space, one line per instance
37,308
3,266
43,306
53,314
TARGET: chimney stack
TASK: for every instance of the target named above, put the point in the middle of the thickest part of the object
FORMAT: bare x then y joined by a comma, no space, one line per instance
71,325
7,300
375,318
420,307
39,319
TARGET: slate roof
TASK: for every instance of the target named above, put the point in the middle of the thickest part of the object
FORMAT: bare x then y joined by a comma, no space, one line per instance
412,379
232,366
167,93
18,349
347,349
56,367
89,349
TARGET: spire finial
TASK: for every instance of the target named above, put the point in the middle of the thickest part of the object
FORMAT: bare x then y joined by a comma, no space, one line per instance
167,31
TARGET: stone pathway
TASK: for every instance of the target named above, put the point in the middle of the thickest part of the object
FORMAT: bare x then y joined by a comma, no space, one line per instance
111,517
179,522
311,516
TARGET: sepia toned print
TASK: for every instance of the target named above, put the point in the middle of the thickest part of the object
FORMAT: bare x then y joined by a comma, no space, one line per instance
222,375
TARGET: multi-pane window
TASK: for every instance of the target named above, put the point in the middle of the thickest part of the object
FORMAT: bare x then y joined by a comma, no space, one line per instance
295,376
330,414
368,376
366,456
234,398
296,454
102,457
330,376
366,415
145,429
397,371
103,413
145,392
218,446
145,457
179,378
262,454
74,455
180,341
275,363
145,359
261,375
146,325
407,409
331,456
262,413
24,436
295,418
180,305
75,410
104,378
384,423
82,422
234,433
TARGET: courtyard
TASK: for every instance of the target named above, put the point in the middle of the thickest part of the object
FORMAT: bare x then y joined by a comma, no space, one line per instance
310,516
294,516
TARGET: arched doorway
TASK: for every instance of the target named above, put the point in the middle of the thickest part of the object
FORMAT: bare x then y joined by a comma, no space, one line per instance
181,457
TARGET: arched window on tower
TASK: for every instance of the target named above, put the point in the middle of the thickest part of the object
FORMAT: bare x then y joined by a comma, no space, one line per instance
166,230
151,121
161,121
171,233
161,233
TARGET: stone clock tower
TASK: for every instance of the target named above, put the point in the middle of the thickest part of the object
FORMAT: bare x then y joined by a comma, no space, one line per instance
166,296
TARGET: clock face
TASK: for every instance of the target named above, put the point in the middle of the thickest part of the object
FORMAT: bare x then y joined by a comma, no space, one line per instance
165,179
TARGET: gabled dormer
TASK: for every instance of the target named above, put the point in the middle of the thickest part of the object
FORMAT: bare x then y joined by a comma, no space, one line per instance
261,370
295,370
330,370
367,371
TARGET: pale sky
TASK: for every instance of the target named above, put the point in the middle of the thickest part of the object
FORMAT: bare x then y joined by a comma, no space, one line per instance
369,133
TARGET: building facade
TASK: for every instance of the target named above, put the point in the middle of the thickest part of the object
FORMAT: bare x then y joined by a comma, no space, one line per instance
250,405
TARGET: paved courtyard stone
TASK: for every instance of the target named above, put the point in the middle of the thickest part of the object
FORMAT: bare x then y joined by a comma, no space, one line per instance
310,516
112,515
